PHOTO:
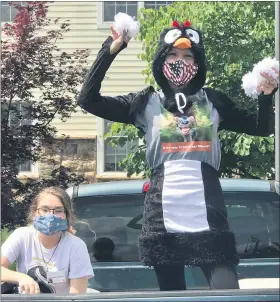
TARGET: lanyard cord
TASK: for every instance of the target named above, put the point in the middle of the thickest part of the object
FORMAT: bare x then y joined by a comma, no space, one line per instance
46,263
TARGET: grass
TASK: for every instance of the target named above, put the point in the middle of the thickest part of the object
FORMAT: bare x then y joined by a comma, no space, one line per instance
4,235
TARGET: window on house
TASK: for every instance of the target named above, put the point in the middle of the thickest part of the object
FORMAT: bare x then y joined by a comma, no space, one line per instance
26,167
8,13
111,8
71,149
113,155
156,4
19,117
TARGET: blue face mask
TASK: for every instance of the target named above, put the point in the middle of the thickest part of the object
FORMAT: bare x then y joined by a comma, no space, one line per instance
50,224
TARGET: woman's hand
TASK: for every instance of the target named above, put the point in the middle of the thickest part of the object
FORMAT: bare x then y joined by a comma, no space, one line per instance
27,285
118,40
269,84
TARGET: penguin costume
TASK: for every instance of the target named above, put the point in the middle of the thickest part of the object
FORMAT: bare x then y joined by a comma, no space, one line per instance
185,218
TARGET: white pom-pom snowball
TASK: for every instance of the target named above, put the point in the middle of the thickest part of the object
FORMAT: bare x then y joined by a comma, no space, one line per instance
126,22
253,79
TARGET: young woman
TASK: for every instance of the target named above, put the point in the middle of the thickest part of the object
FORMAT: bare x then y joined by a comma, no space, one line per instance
49,258
185,218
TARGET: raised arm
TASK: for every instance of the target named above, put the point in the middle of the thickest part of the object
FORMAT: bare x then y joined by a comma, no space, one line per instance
260,124
242,121
110,108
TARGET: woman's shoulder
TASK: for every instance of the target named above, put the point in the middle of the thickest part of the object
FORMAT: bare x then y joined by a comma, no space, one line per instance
216,95
24,231
73,240
219,99
21,234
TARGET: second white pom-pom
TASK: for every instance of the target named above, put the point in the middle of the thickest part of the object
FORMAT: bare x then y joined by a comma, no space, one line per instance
126,22
252,80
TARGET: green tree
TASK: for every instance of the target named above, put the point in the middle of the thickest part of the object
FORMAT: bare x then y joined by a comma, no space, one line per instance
31,62
236,36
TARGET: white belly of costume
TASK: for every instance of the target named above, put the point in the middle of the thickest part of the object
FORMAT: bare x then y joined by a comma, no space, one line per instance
183,198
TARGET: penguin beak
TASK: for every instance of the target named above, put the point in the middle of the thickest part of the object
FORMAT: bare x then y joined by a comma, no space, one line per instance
183,43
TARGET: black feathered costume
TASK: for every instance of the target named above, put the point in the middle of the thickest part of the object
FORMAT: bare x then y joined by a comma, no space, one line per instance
185,219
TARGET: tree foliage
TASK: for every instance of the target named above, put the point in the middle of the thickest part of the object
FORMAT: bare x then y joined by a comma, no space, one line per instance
236,36
39,82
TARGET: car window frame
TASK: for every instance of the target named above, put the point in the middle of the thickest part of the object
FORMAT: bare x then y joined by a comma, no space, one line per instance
252,196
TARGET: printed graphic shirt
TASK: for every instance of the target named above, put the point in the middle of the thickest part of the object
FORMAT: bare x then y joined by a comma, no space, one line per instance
71,256
192,135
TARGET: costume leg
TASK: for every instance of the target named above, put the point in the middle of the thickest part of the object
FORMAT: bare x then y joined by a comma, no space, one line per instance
221,276
170,277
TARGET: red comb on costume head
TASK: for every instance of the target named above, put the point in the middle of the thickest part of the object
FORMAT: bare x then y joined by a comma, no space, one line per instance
176,24
187,23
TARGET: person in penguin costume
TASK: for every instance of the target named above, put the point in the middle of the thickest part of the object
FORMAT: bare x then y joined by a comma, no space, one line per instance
185,218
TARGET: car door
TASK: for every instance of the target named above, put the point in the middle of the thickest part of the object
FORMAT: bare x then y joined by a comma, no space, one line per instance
108,221
103,220
254,218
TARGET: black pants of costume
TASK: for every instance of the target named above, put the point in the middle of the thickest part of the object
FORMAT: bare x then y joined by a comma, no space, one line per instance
172,277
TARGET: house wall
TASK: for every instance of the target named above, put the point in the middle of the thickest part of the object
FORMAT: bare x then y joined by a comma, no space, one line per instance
124,76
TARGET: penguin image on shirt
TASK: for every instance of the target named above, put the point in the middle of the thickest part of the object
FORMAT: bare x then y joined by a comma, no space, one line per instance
193,125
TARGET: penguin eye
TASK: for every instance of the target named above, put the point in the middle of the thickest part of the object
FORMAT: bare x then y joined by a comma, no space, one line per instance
172,36
193,35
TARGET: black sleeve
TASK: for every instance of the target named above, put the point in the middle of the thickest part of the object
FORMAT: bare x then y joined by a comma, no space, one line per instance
242,121
111,108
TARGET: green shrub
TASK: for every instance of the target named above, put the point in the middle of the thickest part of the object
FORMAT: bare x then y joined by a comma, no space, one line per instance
4,235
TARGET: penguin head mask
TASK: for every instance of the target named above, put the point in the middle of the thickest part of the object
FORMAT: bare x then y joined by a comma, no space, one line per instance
179,63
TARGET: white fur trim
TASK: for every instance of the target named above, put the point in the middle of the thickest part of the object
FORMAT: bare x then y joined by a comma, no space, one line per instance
251,80
126,22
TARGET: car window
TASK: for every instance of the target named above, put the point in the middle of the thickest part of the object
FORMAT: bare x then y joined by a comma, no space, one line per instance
110,225
255,223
